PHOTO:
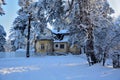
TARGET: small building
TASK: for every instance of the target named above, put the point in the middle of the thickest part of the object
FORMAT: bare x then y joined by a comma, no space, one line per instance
58,43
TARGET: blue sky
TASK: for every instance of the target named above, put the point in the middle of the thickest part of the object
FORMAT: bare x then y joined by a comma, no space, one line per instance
12,7
115,4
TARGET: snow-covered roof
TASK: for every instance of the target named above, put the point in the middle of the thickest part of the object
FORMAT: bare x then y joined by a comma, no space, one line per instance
60,32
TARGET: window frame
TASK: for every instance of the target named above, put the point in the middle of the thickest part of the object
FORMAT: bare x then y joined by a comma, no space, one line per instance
62,46
42,46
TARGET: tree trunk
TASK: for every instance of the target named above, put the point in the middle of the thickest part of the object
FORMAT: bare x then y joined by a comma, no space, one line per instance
104,59
90,45
107,48
85,19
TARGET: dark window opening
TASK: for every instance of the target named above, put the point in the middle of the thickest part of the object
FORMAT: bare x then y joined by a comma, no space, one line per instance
56,45
62,46
60,37
42,46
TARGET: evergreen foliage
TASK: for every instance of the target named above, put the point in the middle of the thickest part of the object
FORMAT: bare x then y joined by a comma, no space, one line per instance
2,38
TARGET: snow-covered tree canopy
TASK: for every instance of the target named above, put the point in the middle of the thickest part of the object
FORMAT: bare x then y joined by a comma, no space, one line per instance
115,41
91,12
20,25
25,3
2,38
2,31
91,17
2,2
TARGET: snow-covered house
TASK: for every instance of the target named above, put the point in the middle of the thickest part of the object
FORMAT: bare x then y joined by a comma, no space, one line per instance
58,43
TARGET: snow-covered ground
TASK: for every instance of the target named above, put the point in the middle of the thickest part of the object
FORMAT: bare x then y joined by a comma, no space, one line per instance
54,68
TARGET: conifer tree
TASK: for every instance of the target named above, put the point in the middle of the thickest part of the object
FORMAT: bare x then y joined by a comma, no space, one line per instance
2,2
2,38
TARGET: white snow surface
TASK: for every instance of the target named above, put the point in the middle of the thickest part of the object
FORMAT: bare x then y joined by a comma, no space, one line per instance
54,68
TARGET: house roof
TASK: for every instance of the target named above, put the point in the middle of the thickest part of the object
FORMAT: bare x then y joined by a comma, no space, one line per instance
60,32
45,38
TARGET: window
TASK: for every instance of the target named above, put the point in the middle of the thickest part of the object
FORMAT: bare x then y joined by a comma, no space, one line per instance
42,46
56,45
62,46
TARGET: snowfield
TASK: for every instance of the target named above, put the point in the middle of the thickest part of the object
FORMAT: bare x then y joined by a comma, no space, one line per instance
54,68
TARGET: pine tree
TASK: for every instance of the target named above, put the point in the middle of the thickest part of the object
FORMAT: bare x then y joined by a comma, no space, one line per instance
2,38
20,25
2,32
55,13
2,2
